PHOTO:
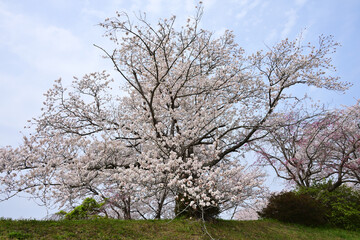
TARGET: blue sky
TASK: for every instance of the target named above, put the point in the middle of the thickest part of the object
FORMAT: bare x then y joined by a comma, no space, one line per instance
43,40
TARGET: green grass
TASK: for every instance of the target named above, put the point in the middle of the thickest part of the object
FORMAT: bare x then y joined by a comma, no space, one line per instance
176,229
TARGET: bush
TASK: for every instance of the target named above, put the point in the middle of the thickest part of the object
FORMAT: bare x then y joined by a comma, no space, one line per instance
89,209
295,208
343,204
19,235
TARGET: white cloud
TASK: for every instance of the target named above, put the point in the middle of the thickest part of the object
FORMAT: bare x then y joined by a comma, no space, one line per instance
240,2
154,6
50,49
93,12
220,32
36,53
38,44
208,4
189,5
300,3
246,8
290,23
271,37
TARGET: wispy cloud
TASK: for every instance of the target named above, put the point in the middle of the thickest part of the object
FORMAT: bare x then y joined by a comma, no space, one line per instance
35,53
246,7
154,6
290,23
300,3
38,44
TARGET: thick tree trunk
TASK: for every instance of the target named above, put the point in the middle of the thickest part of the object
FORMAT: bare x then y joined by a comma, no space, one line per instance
127,208
184,210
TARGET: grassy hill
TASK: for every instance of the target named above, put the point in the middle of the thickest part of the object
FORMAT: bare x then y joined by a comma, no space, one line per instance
177,229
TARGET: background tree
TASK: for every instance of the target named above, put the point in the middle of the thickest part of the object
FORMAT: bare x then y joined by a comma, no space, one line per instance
322,146
177,136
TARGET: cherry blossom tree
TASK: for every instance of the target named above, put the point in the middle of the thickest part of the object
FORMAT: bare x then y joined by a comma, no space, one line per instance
316,147
176,138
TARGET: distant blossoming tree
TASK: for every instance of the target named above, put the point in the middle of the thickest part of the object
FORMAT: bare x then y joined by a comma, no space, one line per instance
316,148
177,137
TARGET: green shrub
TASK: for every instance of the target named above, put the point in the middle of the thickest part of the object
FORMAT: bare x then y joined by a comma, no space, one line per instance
19,235
343,204
89,209
60,215
294,208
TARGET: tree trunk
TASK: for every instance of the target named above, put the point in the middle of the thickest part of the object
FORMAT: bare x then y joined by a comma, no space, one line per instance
184,210
127,208
160,205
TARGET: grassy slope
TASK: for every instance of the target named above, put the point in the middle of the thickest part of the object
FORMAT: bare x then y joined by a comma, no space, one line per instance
177,229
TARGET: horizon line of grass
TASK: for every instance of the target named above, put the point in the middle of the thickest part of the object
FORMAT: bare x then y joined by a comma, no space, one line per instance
181,229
